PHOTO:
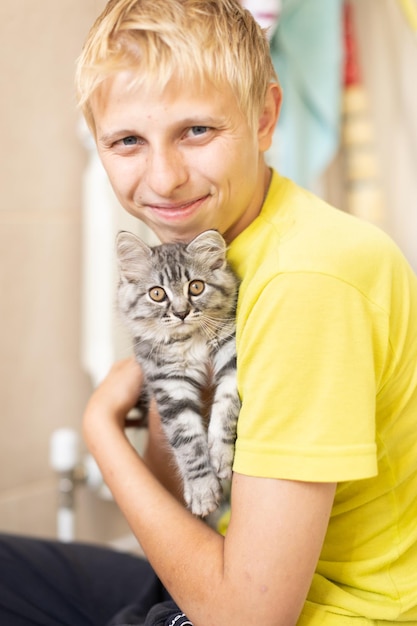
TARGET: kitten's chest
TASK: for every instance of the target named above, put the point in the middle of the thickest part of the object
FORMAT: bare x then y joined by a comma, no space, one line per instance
188,359
189,352
183,351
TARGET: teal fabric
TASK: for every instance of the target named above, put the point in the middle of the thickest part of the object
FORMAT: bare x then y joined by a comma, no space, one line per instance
307,50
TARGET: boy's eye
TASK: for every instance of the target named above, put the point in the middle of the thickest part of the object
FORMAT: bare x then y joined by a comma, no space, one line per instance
199,130
130,141
157,294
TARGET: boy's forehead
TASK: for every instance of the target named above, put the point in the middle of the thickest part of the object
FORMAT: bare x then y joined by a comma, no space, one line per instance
125,89
140,83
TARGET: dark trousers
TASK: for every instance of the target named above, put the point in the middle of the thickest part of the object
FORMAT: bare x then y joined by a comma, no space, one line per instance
46,583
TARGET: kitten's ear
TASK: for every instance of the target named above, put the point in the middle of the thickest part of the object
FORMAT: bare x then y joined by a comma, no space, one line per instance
212,244
132,253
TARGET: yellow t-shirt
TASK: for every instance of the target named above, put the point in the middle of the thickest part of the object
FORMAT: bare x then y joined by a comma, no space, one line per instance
327,373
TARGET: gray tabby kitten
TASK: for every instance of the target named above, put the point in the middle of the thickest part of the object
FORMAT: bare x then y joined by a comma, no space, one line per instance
179,302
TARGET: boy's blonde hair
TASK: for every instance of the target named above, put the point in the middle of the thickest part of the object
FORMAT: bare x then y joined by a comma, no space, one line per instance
189,40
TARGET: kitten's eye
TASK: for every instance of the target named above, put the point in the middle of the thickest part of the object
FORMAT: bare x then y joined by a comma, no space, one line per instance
157,294
196,287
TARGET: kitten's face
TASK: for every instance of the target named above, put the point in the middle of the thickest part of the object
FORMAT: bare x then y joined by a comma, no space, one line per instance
177,297
175,288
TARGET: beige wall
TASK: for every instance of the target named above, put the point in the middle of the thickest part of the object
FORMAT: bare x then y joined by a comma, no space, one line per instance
42,386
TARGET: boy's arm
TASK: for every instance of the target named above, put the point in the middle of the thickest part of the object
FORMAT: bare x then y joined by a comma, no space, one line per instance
259,573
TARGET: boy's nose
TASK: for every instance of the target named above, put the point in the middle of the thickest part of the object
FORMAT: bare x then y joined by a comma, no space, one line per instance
166,171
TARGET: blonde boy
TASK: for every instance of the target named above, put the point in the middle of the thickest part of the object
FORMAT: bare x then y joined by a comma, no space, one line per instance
182,99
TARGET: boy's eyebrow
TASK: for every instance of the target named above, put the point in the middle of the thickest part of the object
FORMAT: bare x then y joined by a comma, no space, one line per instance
108,138
200,120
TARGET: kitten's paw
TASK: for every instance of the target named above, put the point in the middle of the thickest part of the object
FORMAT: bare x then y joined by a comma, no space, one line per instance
203,495
221,458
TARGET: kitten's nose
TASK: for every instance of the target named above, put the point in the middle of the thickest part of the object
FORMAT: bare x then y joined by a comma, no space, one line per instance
181,314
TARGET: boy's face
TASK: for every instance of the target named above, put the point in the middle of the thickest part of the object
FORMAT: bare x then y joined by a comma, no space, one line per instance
183,160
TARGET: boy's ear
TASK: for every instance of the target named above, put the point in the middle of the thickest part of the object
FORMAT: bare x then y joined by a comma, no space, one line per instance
269,116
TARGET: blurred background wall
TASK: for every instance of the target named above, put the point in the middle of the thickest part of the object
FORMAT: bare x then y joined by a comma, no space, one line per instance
387,47
43,385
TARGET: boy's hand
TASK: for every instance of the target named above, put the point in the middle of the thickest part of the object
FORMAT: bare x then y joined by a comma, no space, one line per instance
105,419
114,397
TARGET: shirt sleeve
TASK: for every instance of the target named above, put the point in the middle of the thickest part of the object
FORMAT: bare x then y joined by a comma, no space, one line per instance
310,351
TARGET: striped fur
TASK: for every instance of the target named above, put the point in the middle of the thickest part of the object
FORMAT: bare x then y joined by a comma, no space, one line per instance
179,302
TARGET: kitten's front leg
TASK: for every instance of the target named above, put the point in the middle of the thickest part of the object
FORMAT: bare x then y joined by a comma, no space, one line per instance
185,431
222,428
224,412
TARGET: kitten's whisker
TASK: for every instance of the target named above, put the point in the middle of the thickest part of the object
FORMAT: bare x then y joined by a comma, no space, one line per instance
211,326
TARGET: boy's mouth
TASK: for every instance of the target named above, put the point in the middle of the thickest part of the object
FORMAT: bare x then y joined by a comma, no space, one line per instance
177,210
